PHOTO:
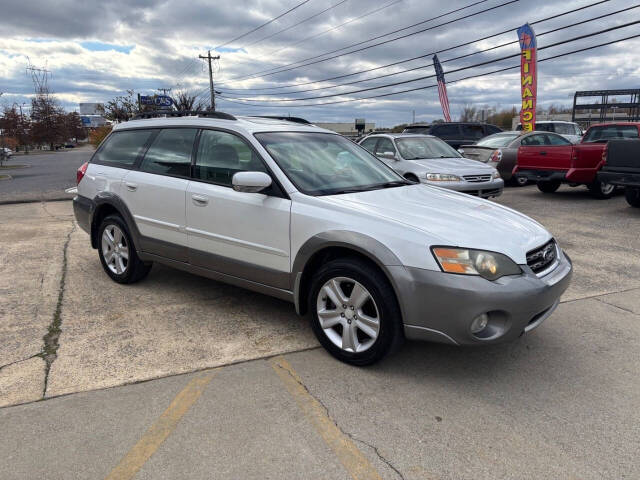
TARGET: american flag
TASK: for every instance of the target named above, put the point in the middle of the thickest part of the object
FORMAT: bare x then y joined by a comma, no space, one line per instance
442,89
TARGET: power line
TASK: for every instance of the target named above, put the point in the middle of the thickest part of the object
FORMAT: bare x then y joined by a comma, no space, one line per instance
440,51
296,24
281,68
239,100
370,12
181,74
263,25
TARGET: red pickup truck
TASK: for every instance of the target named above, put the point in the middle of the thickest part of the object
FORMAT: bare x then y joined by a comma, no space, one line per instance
550,160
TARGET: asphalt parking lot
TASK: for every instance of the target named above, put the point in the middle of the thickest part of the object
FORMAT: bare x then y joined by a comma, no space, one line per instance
182,377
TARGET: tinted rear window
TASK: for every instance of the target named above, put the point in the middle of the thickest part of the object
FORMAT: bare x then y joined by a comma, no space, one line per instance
123,148
170,152
606,132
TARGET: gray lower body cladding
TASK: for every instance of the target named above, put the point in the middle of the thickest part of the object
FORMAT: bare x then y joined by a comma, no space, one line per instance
435,306
440,306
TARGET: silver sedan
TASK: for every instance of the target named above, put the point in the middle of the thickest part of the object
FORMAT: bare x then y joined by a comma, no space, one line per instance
427,159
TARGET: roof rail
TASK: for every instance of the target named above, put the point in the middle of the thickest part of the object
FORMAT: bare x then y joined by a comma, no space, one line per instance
184,113
289,119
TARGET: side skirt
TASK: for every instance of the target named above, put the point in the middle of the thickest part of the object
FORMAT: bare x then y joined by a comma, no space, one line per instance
220,277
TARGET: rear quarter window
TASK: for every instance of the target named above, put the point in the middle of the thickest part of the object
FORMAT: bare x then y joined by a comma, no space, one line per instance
123,148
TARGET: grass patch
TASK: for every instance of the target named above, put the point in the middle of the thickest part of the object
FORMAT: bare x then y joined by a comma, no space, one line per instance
5,177
9,167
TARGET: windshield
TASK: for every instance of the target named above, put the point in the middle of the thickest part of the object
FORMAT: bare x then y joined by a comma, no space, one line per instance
606,132
498,140
327,164
419,148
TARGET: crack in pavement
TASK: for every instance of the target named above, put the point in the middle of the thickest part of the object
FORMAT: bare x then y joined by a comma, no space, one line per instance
18,361
588,297
51,339
617,306
299,381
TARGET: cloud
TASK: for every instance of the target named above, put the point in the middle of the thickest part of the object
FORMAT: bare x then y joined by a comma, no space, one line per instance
96,50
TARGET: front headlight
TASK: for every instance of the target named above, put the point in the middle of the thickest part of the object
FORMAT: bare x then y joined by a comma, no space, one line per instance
495,175
490,265
442,177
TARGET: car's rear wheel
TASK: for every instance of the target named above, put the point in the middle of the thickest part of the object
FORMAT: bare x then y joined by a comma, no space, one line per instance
117,252
601,190
548,187
355,314
633,196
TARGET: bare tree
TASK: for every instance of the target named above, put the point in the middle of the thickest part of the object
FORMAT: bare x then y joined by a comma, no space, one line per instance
185,100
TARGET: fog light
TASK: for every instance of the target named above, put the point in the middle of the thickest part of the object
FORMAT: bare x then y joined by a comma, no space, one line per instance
479,323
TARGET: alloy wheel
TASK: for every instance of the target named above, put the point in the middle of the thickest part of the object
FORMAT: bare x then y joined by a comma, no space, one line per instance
348,315
115,249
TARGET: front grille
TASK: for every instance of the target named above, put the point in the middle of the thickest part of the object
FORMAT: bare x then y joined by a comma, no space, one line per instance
477,178
542,257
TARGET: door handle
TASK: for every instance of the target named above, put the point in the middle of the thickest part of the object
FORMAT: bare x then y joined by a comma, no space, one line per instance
199,200
132,187
543,152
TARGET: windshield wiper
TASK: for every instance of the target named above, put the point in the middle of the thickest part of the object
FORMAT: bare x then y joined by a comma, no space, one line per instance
367,188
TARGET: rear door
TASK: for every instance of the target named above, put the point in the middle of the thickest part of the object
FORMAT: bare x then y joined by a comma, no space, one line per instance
244,235
155,193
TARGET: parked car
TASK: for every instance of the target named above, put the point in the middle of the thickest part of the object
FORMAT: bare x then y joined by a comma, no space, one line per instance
427,159
550,160
7,152
454,133
305,215
500,151
623,168
569,130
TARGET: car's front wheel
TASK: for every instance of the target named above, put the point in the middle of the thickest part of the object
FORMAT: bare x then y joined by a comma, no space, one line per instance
355,314
633,196
117,252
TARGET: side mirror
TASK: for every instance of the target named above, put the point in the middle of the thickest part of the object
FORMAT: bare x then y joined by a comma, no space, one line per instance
250,182
389,155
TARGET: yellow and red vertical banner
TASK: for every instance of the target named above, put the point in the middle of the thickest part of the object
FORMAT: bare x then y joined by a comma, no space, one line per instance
528,77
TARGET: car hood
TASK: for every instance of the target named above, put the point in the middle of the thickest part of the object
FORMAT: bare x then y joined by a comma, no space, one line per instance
458,166
451,218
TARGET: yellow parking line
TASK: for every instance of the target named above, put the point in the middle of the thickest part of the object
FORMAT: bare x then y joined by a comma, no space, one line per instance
349,455
161,429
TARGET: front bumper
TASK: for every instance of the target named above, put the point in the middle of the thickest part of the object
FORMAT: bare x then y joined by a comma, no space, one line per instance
440,307
489,189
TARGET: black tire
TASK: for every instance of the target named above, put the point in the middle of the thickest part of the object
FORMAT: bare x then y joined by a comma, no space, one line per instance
520,181
548,187
633,196
390,335
412,178
601,190
134,269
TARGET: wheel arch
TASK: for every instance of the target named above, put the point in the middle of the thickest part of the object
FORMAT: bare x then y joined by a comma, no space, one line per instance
107,203
338,244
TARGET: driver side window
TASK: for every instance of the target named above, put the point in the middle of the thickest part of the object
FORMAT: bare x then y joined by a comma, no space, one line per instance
369,144
385,146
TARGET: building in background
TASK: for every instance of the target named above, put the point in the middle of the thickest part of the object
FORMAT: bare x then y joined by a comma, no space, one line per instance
348,129
90,114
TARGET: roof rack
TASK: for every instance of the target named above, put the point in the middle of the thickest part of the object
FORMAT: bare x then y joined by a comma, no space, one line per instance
184,113
289,119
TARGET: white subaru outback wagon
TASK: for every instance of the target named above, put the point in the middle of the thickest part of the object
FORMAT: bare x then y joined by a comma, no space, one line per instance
301,213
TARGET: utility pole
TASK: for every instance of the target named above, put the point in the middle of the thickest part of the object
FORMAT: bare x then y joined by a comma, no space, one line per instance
212,91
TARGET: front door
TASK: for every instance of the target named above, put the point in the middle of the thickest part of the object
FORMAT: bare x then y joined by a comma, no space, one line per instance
244,235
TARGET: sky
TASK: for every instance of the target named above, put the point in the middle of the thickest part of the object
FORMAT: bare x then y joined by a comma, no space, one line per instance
95,51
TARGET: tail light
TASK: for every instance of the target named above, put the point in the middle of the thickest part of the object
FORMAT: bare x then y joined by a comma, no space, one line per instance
81,171
496,156
604,152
